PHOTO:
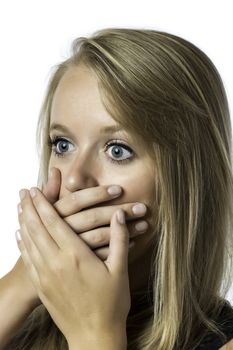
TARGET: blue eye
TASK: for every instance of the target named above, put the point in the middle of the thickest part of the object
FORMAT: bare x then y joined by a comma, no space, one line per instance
119,150
60,146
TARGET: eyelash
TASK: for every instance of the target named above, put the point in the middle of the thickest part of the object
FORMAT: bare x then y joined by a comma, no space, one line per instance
54,141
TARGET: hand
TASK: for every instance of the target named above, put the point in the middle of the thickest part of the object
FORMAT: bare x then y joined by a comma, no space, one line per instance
87,222
81,293
18,272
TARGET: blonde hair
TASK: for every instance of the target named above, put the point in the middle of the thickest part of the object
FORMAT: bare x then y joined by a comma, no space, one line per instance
170,96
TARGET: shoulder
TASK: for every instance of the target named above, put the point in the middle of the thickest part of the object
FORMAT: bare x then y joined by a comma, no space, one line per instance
224,320
227,319
228,314
228,346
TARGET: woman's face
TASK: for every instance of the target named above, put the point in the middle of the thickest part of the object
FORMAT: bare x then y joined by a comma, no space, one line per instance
87,161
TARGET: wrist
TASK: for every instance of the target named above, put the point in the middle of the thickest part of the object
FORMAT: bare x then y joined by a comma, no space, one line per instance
22,294
105,340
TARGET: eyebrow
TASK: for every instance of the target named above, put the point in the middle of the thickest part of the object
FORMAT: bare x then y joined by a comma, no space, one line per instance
104,130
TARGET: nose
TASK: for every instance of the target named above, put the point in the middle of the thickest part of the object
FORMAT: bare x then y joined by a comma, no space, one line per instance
82,173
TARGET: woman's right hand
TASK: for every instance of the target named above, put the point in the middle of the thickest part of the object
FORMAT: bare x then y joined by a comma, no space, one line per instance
77,210
18,274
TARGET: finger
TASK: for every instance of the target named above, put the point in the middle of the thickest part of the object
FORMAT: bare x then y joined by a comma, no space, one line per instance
32,249
117,261
91,218
30,268
101,236
23,237
103,252
85,198
52,188
59,230
36,230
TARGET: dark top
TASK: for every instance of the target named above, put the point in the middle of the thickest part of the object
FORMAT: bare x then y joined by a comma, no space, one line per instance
225,319
211,341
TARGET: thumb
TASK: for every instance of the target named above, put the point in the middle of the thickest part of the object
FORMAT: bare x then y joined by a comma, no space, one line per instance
52,188
117,260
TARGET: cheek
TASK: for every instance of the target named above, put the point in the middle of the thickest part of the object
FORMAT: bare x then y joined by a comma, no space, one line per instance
135,188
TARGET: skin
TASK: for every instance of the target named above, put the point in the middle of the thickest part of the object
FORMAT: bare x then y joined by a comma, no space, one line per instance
77,105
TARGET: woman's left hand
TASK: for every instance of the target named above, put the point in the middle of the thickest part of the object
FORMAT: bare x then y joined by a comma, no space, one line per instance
84,295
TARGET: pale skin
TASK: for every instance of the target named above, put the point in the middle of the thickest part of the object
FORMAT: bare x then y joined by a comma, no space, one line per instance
85,168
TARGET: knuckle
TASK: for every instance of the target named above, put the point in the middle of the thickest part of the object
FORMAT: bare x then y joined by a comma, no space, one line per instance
74,196
99,194
50,220
66,205
99,237
76,201
94,219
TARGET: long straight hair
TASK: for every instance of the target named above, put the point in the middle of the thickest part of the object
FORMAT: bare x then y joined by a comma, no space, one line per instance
169,95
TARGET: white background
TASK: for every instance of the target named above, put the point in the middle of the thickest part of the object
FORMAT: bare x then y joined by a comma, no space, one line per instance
35,35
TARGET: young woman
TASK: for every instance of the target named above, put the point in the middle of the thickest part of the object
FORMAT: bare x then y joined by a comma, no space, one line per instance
135,132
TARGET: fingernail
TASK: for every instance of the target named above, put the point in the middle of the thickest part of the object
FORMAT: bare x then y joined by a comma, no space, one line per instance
121,216
22,194
33,192
139,208
18,235
141,226
114,190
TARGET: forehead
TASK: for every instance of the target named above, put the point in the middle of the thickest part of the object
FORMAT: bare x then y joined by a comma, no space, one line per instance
77,97
78,77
